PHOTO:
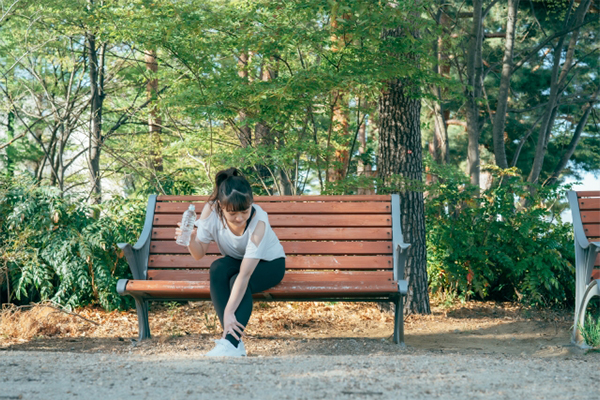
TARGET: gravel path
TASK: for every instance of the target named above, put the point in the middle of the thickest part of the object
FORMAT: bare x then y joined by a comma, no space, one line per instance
33,375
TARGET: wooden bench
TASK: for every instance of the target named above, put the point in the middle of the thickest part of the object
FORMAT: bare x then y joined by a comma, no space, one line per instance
585,207
339,248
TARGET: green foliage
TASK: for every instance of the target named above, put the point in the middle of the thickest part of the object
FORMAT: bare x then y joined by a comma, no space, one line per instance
590,331
505,244
62,249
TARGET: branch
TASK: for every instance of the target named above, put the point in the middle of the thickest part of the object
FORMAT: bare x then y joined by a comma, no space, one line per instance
128,114
540,46
3,145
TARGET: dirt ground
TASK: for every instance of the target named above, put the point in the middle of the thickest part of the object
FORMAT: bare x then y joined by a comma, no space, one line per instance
295,329
337,351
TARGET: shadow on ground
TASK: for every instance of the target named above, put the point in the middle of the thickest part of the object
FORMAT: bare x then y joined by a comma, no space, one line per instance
517,338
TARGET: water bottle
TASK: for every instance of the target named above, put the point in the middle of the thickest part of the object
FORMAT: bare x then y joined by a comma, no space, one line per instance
187,226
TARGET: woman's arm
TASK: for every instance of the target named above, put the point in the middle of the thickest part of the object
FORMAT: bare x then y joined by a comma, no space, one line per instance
230,324
197,248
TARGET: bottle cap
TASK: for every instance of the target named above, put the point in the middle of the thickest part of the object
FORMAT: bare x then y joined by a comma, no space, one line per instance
192,207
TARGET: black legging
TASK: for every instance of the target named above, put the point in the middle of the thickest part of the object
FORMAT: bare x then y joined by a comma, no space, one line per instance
222,276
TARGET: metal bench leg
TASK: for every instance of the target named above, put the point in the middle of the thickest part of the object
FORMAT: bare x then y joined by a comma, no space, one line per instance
593,289
141,306
399,322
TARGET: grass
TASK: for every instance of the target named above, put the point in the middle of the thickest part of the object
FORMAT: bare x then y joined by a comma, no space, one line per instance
590,331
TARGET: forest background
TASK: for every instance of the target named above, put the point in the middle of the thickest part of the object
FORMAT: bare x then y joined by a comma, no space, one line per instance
474,111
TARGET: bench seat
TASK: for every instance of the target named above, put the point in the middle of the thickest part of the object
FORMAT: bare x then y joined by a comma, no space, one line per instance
338,248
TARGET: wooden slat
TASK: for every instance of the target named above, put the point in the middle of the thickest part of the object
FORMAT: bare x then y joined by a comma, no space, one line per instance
592,231
303,262
201,289
170,247
301,220
294,208
306,233
589,204
590,217
596,273
588,193
597,263
290,276
260,199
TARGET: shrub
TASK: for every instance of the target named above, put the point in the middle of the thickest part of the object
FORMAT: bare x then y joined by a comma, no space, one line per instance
62,249
506,244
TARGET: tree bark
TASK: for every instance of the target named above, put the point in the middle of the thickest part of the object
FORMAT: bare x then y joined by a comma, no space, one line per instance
96,71
341,132
439,149
502,103
10,130
154,118
245,135
400,153
557,86
473,91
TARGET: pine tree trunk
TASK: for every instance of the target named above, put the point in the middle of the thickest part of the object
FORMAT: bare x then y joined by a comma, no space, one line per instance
400,153
473,92
439,148
507,66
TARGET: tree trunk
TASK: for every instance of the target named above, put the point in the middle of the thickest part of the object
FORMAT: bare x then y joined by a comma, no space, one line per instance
96,67
245,134
557,86
363,169
400,153
507,68
10,130
439,149
154,118
341,132
473,91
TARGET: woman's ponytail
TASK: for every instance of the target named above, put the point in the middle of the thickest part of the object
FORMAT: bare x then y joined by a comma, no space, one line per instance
232,192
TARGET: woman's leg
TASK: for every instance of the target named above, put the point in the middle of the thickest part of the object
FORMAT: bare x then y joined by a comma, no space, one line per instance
266,275
221,272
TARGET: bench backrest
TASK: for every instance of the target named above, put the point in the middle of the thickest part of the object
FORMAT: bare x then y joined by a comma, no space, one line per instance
589,212
342,233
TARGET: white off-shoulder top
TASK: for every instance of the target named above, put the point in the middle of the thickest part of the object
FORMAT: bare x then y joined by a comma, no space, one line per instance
213,229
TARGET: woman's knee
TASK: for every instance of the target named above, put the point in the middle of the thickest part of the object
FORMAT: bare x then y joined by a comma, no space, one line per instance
219,268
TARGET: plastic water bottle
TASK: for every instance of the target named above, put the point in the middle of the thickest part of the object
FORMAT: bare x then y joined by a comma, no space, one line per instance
187,226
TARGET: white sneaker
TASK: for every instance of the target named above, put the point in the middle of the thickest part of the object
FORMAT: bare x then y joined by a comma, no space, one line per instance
224,348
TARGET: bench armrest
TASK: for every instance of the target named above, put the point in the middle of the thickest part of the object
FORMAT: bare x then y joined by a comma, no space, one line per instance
580,238
138,254
400,247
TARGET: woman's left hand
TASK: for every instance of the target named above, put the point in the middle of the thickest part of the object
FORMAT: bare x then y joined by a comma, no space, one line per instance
231,326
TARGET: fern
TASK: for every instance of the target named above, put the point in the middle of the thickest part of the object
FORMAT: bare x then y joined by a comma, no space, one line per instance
54,248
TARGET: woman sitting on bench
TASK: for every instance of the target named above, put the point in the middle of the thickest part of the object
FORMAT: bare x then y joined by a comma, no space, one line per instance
253,260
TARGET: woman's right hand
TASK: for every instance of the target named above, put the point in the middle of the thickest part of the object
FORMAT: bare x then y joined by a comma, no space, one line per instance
178,232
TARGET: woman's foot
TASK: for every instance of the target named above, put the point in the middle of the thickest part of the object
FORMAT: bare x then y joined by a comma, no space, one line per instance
224,348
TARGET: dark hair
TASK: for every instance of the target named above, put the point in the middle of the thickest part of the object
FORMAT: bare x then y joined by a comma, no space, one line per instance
232,192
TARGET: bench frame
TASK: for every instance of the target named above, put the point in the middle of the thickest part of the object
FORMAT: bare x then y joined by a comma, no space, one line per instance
138,258
586,253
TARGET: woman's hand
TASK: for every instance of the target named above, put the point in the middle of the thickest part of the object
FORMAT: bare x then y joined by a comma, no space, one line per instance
178,233
231,326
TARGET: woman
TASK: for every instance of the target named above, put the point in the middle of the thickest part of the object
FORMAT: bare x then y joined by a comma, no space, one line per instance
254,259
